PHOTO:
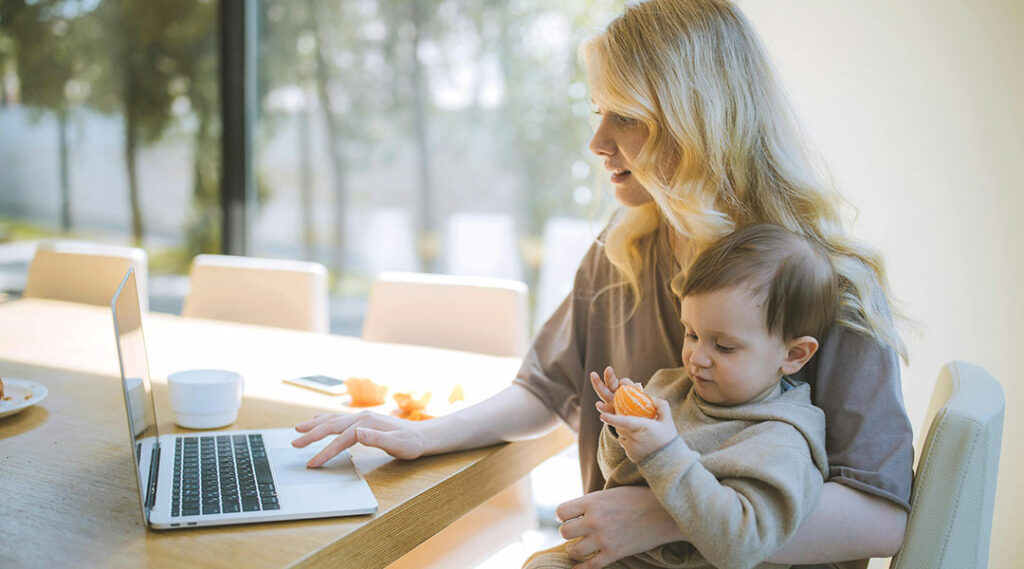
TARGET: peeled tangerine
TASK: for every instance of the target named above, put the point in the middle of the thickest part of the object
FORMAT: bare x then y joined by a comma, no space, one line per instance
412,408
364,392
631,400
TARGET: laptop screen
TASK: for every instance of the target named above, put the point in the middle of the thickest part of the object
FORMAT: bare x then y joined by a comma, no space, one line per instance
138,391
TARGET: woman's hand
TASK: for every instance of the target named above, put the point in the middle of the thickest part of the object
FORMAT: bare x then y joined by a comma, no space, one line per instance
615,523
398,437
640,436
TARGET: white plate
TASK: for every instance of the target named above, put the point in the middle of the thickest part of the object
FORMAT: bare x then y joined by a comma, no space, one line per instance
20,394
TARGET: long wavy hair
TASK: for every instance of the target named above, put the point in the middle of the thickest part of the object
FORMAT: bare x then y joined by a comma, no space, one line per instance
695,74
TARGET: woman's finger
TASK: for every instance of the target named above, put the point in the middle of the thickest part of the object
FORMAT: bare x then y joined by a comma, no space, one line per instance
581,549
572,529
570,510
315,421
342,442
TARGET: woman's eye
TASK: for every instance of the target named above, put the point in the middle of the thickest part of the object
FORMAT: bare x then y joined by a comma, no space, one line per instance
623,120
690,336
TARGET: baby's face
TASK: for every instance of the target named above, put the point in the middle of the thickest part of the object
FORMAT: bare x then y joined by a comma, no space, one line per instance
727,349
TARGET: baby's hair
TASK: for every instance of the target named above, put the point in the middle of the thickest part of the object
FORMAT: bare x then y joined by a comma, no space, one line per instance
792,275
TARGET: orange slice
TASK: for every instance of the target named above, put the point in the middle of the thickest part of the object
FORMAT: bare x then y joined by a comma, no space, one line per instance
364,392
631,400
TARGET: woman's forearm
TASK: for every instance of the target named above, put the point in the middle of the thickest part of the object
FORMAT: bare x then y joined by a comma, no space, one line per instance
846,524
512,414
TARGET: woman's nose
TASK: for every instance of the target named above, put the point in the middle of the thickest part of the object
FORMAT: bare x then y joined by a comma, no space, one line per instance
601,144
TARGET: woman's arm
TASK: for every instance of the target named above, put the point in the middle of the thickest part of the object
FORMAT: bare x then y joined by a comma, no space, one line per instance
845,524
512,414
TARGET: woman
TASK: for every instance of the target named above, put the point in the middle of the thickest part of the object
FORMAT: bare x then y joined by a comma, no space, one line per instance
699,141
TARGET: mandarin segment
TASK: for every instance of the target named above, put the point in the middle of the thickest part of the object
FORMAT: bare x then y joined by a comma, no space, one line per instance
364,392
631,400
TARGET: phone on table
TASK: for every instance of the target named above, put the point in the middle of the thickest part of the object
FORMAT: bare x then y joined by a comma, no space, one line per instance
321,383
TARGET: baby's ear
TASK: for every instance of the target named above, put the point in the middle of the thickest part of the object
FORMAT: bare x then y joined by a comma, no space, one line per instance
798,351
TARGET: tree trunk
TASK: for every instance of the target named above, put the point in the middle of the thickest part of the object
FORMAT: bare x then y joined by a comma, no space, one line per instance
131,144
337,158
65,179
428,238
306,179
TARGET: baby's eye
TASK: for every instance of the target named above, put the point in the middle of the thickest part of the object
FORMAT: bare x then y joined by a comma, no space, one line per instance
690,336
725,349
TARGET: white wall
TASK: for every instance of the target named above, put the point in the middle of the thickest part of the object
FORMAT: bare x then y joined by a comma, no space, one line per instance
917,108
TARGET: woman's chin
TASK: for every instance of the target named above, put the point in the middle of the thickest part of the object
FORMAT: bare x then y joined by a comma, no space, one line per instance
631,194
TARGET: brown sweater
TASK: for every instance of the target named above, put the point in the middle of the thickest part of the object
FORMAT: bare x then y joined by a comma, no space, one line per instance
737,479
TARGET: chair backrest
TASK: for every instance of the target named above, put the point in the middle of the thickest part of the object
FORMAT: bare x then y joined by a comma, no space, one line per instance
954,489
268,292
475,314
88,273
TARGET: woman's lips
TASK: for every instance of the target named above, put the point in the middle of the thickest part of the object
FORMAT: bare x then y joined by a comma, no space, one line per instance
620,176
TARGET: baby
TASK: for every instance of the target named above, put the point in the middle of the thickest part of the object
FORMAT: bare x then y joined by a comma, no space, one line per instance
736,453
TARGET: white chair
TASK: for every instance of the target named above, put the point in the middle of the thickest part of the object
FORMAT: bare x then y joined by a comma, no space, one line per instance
88,273
472,314
954,489
267,292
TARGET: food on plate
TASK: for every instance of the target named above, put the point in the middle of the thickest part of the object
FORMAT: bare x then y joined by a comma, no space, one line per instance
457,394
418,415
411,407
364,392
631,400
407,402
1,388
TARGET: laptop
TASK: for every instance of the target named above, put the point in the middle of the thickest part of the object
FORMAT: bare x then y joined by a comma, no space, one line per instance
210,478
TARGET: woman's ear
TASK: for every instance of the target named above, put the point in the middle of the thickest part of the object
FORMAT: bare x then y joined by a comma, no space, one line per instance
798,351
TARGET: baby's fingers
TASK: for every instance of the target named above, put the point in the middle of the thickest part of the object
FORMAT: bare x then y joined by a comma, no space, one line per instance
600,388
624,422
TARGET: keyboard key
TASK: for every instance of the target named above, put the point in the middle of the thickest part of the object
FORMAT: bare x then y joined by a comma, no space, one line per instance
250,504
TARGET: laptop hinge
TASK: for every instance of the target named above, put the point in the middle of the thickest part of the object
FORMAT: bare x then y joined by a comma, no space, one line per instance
154,468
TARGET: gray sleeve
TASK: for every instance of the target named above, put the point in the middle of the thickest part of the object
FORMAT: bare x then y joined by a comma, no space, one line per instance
855,380
755,491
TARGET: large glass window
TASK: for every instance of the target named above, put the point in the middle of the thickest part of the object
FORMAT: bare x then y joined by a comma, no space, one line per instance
435,135
110,121
427,135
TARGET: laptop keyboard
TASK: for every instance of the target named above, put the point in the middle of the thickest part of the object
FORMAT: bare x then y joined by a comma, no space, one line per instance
221,474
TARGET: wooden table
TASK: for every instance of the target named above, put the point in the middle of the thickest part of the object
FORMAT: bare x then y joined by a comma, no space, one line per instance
67,493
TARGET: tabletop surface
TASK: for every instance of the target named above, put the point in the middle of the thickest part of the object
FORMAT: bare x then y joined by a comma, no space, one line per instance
69,494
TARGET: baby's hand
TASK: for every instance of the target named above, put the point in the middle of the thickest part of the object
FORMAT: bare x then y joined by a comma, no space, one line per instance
639,436
605,388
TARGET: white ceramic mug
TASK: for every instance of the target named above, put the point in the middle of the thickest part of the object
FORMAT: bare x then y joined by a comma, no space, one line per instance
205,398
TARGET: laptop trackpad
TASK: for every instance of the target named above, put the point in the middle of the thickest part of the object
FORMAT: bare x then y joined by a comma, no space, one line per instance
290,468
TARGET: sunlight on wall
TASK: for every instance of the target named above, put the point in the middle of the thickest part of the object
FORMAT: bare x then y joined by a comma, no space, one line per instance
915,107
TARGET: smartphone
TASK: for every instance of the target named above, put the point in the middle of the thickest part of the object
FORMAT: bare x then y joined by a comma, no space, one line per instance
321,383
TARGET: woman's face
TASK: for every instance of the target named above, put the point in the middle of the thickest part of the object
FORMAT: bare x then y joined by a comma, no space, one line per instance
617,141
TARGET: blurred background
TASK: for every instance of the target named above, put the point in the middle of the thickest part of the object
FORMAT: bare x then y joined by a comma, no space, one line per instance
437,135
450,136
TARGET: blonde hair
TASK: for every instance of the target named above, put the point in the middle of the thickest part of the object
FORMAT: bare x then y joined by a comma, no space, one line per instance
694,73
